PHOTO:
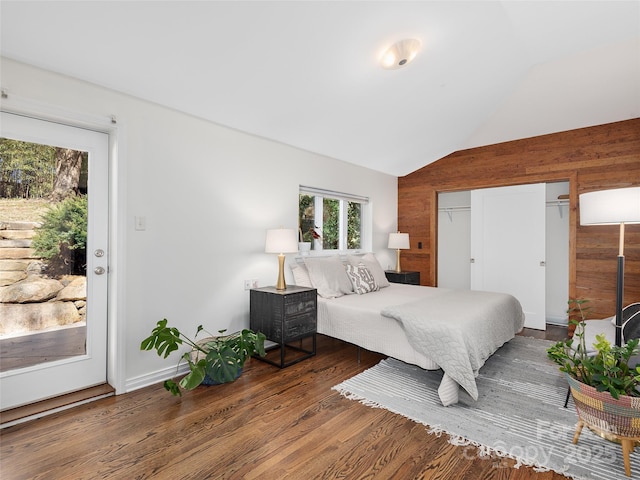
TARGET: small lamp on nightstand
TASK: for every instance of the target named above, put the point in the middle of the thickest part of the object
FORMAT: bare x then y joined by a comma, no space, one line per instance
281,241
399,241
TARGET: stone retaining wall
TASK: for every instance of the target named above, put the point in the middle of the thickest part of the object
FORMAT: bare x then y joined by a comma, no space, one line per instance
29,300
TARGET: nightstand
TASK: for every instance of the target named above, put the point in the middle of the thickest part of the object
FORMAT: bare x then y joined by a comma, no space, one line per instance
285,316
410,278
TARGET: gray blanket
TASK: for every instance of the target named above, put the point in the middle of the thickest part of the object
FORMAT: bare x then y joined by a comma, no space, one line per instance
459,330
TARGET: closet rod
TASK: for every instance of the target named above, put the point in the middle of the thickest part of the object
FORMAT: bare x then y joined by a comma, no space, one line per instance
460,207
450,210
559,204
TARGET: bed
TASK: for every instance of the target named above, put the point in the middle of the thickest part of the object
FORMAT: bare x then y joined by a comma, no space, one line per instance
433,328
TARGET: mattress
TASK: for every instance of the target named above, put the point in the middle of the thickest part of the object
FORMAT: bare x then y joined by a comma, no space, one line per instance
356,319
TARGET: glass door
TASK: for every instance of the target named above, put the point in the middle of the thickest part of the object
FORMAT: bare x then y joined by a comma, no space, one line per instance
53,259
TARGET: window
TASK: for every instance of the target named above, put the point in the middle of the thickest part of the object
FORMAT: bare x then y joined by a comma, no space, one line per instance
331,220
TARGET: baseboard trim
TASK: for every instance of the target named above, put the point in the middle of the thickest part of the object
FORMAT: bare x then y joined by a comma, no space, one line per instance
557,320
158,376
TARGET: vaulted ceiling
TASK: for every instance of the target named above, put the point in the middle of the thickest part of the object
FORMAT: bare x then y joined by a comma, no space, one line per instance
307,73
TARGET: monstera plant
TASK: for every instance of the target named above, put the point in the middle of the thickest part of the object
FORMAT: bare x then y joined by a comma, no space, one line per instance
212,360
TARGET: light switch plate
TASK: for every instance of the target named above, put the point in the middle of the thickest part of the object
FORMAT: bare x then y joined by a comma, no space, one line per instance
140,223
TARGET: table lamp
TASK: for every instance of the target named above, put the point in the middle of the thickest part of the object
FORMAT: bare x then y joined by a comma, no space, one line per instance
399,241
281,241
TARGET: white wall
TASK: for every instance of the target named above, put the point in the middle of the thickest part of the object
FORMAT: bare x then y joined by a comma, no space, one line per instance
208,193
454,239
557,253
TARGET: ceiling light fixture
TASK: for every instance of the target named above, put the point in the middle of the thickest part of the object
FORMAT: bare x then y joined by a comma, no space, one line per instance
400,53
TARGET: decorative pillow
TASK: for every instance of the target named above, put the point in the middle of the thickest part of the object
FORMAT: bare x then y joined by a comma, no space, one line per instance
301,275
361,279
328,276
371,262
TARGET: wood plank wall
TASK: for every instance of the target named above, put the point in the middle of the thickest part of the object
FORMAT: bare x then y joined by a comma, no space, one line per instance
594,158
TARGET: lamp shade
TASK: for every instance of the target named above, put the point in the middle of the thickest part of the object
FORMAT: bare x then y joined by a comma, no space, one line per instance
399,241
610,207
281,240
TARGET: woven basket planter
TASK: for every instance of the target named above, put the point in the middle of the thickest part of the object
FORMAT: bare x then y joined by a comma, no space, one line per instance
599,409
615,419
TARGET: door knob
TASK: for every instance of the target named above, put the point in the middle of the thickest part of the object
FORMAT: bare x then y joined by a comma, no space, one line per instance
99,270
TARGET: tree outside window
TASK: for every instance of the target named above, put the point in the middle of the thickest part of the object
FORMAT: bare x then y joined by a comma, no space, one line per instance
330,222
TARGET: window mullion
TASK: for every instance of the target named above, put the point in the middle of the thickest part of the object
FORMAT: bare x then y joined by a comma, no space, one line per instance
342,227
318,221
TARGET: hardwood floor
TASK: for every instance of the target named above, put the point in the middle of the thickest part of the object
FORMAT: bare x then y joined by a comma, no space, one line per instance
269,424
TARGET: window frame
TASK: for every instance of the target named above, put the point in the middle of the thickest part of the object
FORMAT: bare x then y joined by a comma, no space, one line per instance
319,195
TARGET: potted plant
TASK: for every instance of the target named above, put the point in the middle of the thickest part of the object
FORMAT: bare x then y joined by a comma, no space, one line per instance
303,247
603,385
606,370
577,311
212,360
603,366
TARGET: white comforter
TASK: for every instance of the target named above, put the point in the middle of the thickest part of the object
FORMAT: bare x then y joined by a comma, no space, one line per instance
456,330
459,330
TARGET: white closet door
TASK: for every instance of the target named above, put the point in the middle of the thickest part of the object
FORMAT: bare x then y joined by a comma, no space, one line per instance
508,245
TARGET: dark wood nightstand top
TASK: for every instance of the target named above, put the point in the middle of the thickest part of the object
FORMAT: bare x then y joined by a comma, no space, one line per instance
290,289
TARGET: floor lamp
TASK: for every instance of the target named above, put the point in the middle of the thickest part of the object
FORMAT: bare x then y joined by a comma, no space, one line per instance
613,207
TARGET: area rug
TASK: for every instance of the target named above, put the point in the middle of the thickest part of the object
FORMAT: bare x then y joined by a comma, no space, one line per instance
519,414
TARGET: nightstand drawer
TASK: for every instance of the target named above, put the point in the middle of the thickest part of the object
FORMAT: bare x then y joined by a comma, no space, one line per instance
290,328
299,326
300,303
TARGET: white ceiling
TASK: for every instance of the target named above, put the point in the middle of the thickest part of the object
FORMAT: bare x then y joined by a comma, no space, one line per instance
306,73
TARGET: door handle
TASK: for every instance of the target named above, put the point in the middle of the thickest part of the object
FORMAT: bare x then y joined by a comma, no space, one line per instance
99,270
543,263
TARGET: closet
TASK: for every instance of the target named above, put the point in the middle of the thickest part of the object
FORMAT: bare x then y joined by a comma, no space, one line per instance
511,239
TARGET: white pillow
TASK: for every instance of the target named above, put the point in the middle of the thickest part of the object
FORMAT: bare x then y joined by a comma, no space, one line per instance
301,275
361,279
371,262
328,276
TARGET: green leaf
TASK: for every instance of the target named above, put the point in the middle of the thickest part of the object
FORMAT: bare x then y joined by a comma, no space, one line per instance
223,365
195,377
172,386
163,339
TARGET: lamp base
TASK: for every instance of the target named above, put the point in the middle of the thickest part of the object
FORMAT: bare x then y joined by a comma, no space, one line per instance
398,269
281,284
